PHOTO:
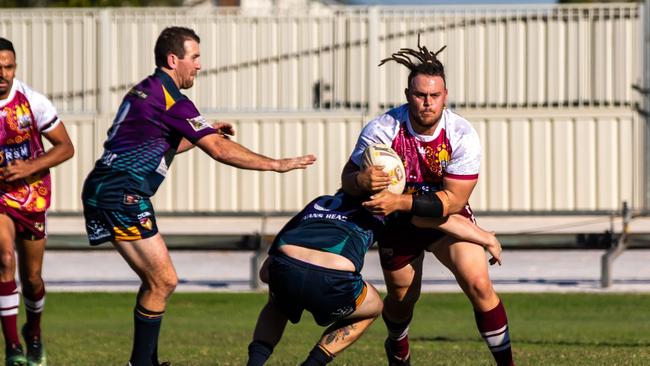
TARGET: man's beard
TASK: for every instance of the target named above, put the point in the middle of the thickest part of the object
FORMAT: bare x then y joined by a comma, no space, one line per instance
4,89
428,120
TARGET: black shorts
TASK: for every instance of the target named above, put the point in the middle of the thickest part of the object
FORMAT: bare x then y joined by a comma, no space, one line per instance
128,223
328,294
401,242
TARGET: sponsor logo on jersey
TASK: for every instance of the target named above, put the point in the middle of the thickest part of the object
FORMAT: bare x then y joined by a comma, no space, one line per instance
335,216
327,216
138,93
108,157
144,214
162,167
9,153
313,215
198,123
97,230
342,312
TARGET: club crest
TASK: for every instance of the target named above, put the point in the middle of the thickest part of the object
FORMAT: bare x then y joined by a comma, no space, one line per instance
146,223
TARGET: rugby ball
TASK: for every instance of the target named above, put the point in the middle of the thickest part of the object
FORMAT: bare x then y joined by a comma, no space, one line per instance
380,154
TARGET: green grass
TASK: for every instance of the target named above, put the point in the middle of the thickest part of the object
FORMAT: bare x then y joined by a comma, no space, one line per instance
87,329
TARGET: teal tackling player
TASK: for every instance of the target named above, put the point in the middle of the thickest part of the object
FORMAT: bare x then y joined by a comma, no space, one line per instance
315,264
154,123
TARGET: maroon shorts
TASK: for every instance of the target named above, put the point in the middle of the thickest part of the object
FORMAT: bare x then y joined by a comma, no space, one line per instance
401,242
29,225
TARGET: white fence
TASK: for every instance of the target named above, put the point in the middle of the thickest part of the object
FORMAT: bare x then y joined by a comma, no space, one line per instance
537,161
496,56
548,87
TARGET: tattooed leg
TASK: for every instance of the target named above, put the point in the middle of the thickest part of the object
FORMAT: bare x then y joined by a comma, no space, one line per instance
339,335
343,333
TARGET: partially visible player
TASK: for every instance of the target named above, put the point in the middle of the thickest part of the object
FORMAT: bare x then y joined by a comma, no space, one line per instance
441,152
315,264
25,188
155,122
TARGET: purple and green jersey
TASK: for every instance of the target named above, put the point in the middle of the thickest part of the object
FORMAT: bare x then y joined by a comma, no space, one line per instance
151,122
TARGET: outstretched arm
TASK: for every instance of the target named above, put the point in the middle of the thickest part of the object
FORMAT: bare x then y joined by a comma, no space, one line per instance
223,128
463,229
229,152
60,151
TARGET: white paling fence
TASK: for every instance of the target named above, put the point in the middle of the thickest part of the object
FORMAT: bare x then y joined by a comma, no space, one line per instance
566,160
548,87
321,59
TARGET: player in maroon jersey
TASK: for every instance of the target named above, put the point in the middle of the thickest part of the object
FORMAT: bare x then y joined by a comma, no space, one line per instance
25,117
441,152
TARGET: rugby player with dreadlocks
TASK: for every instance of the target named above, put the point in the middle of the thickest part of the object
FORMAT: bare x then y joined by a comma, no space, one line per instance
441,152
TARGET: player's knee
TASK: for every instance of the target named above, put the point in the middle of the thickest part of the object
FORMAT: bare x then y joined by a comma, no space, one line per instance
403,294
164,286
376,308
481,288
170,284
33,280
7,261
32,288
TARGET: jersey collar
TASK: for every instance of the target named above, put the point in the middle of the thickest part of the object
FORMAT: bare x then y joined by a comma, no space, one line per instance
169,84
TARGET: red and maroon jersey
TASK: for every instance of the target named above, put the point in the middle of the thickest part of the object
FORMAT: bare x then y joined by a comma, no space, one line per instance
24,116
452,151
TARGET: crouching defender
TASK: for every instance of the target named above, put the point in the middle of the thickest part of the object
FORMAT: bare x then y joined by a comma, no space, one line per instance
315,264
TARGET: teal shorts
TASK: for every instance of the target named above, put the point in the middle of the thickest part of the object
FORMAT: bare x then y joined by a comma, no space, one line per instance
328,294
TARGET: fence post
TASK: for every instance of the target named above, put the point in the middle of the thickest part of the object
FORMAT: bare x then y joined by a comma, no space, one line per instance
260,252
645,106
373,61
616,249
104,58
255,262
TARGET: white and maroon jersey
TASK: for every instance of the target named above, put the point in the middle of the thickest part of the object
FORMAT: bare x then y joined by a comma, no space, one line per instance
24,116
453,151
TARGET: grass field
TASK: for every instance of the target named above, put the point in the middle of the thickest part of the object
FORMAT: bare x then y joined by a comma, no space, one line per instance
88,329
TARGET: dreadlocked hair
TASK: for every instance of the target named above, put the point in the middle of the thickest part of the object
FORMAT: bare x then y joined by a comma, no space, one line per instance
424,62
